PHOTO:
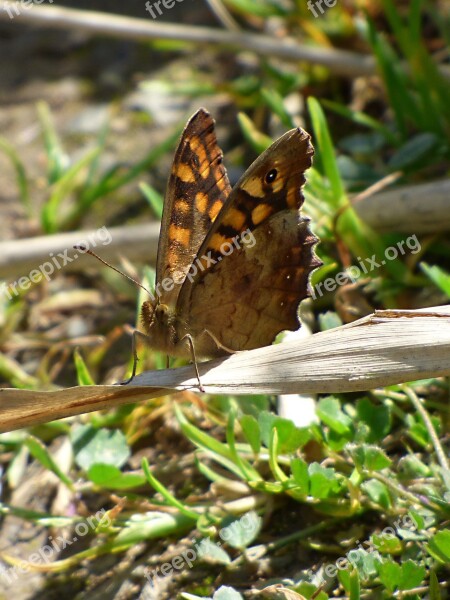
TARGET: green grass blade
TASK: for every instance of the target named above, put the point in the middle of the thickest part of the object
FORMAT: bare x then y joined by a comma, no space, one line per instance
56,157
168,497
154,198
275,102
21,175
325,153
247,471
41,453
83,375
361,118
65,185
257,140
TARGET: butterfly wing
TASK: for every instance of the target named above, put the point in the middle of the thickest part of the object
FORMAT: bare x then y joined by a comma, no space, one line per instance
252,269
197,189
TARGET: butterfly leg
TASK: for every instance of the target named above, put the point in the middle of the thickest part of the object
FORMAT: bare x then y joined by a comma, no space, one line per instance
136,333
188,337
218,343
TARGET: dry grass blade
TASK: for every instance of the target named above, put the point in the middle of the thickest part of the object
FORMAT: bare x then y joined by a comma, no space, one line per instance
403,209
385,348
137,242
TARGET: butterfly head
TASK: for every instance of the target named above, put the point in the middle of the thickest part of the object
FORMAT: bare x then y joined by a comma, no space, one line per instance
154,312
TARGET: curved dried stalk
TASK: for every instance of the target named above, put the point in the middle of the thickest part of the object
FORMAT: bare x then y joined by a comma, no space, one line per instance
386,348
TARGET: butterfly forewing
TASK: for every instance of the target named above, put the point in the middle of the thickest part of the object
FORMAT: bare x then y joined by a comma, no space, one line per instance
197,189
271,184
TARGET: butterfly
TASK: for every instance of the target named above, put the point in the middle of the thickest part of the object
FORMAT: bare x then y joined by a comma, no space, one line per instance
233,263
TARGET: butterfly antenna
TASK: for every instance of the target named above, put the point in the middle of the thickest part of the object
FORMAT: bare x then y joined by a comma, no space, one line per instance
85,250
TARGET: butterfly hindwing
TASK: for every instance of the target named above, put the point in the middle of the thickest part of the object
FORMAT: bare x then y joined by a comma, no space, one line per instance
252,269
246,299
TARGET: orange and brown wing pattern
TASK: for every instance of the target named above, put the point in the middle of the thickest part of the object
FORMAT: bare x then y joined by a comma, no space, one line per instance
246,299
271,184
197,189
253,268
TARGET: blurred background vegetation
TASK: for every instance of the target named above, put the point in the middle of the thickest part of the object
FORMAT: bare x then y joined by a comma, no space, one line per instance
89,121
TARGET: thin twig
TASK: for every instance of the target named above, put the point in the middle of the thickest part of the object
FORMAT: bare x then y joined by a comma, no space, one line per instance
400,491
341,62
98,23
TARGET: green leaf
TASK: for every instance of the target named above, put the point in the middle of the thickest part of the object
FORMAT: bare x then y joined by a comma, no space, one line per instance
360,118
416,149
61,188
56,157
377,492
417,518
323,481
227,593
212,552
214,449
262,8
390,574
329,411
241,532
438,276
387,543
300,474
435,592
275,102
368,457
152,526
439,546
277,471
290,437
412,575
406,576
92,446
413,467
377,417
251,431
40,453
110,477
248,473
351,582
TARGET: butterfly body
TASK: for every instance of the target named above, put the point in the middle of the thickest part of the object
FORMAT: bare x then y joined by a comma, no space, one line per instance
233,264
